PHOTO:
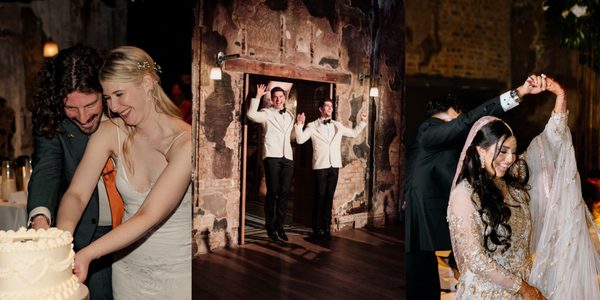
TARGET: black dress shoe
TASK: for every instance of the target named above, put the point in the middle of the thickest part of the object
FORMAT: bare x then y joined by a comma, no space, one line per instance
282,234
272,235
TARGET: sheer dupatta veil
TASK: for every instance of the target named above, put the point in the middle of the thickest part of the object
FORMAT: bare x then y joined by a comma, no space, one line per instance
565,241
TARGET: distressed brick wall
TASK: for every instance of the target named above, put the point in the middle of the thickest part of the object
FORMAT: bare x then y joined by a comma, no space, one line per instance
464,38
297,34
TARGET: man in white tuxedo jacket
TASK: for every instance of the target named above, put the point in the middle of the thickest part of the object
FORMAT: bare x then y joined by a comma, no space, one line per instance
326,136
278,161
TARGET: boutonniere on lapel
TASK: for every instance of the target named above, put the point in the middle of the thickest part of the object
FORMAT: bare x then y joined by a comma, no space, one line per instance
70,136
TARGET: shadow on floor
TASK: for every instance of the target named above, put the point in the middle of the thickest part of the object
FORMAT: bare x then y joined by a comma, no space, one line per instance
363,263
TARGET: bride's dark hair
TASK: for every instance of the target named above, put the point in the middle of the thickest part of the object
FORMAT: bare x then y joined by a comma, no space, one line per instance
486,196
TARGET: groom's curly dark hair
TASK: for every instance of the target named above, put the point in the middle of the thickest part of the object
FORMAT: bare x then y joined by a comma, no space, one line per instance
487,197
72,69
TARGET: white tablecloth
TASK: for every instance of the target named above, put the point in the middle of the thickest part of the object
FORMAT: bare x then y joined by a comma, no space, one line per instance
12,215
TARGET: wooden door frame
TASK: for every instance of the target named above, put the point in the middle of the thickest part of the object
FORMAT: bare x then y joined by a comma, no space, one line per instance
253,67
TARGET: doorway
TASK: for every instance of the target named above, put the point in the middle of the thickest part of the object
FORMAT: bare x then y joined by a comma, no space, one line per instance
303,97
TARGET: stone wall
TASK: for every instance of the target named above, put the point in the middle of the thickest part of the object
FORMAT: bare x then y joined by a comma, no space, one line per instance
312,40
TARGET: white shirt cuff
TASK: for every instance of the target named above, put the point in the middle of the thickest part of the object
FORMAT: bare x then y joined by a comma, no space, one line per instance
507,102
40,210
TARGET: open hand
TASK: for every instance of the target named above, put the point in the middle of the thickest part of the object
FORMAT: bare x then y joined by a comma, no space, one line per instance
363,116
300,118
261,90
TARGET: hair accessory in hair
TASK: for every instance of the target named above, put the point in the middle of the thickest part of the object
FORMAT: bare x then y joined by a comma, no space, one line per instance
146,65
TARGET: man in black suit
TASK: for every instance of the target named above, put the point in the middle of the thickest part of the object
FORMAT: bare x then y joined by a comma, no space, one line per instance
431,165
67,109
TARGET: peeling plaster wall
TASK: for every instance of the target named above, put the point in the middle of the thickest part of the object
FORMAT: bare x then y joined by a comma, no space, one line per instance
389,156
321,35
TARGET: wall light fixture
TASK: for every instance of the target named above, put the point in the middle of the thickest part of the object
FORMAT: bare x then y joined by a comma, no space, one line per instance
216,72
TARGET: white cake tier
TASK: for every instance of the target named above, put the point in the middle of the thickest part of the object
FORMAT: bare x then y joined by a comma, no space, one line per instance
68,290
36,264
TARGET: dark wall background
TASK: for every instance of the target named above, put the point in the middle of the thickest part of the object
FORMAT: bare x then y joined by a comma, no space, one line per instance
164,30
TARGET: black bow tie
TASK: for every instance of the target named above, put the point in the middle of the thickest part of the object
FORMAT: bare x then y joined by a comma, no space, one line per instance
282,111
326,121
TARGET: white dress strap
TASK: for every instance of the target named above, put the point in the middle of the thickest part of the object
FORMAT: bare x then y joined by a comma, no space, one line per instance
173,141
120,155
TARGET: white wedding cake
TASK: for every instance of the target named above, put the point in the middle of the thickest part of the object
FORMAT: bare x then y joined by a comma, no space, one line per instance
37,264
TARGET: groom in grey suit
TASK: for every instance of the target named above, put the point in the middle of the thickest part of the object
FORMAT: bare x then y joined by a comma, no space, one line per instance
67,109
326,136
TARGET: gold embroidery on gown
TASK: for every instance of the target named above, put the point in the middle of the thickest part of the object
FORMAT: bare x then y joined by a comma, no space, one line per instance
556,224
485,274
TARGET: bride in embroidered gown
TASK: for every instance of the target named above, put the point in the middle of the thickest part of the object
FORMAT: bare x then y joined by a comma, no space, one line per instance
151,146
525,240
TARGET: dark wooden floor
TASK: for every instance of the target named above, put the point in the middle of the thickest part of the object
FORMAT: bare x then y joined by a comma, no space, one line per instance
354,264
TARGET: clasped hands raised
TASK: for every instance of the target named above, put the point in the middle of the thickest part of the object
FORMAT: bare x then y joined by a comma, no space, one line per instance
535,84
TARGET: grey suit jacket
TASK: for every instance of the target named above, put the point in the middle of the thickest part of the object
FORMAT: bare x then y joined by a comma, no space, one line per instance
54,163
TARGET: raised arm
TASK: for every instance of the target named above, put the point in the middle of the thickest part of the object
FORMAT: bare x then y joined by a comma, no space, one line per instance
46,181
433,135
164,197
560,104
253,113
85,180
357,129
556,132
302,135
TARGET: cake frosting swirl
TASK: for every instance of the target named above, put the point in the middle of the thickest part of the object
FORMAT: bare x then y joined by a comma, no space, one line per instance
37,264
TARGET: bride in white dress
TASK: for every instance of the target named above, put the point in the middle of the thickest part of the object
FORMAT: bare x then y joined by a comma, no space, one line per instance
151,147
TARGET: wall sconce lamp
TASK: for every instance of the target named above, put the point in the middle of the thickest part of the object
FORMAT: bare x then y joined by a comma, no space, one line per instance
50,48
216,73
373,91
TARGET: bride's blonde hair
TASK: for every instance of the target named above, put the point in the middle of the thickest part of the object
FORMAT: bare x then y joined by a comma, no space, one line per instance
128,64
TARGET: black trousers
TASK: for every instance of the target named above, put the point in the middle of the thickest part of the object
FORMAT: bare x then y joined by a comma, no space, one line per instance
422,276
99,280
278,176
325,184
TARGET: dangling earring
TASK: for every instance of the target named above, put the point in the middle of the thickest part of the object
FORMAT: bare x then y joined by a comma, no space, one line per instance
482,158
